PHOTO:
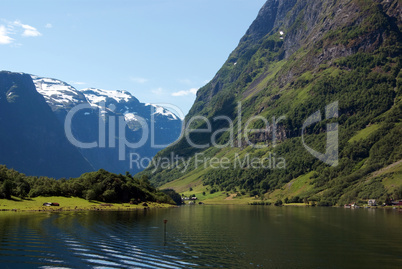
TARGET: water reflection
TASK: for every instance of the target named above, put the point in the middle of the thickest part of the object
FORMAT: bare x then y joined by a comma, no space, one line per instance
203,237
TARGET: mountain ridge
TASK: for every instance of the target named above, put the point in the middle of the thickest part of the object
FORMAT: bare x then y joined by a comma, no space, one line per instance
31,135
93,116
296,59
101,107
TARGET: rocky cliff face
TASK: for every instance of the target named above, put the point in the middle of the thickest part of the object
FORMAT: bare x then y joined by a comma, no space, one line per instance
297,58
322,30
32,139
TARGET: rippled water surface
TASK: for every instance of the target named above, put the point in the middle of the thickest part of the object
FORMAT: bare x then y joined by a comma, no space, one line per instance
204,237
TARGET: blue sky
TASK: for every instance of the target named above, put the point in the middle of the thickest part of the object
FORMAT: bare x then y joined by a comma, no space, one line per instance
161,51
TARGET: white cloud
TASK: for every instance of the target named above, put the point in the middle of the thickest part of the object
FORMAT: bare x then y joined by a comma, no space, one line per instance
184,93
16,28
48,25
4,38
28,30
139,80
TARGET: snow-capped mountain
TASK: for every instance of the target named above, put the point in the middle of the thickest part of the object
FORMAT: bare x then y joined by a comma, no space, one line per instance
103,106
32,139
58,93
124,103
95,96
163,111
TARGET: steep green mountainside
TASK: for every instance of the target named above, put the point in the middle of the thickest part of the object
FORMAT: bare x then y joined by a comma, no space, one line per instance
297,58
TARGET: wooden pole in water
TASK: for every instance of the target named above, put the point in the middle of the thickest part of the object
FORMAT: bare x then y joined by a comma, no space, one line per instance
164,231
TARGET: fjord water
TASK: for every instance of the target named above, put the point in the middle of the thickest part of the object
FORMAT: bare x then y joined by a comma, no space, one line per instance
204,236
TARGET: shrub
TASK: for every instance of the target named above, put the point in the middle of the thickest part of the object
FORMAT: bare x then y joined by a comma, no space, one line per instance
278,202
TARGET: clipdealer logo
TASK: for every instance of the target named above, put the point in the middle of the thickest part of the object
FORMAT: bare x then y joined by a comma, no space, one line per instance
243,131
330,156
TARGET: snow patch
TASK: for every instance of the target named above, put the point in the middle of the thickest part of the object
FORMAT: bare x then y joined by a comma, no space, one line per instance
163,111
55,91
98,95
130,117
95,99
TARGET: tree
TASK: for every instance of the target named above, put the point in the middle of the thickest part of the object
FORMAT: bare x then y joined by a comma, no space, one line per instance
109,196
7,188
91,195
174,195
398,193
22,190
278,202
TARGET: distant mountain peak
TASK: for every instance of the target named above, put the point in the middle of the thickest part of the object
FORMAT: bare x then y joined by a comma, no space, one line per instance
58,93
125,103
95,96
102,105
163,111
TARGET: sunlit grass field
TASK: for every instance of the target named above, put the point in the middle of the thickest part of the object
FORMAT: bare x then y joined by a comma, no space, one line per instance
67,204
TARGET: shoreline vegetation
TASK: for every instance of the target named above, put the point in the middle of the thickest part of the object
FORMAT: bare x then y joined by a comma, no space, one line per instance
100,190
67,204
224,198
105,191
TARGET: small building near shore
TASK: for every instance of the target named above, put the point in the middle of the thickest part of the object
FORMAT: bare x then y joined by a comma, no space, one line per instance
372,202
51,204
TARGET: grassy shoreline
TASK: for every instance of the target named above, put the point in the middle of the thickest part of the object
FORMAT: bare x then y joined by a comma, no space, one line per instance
70,204
79,204
221,199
